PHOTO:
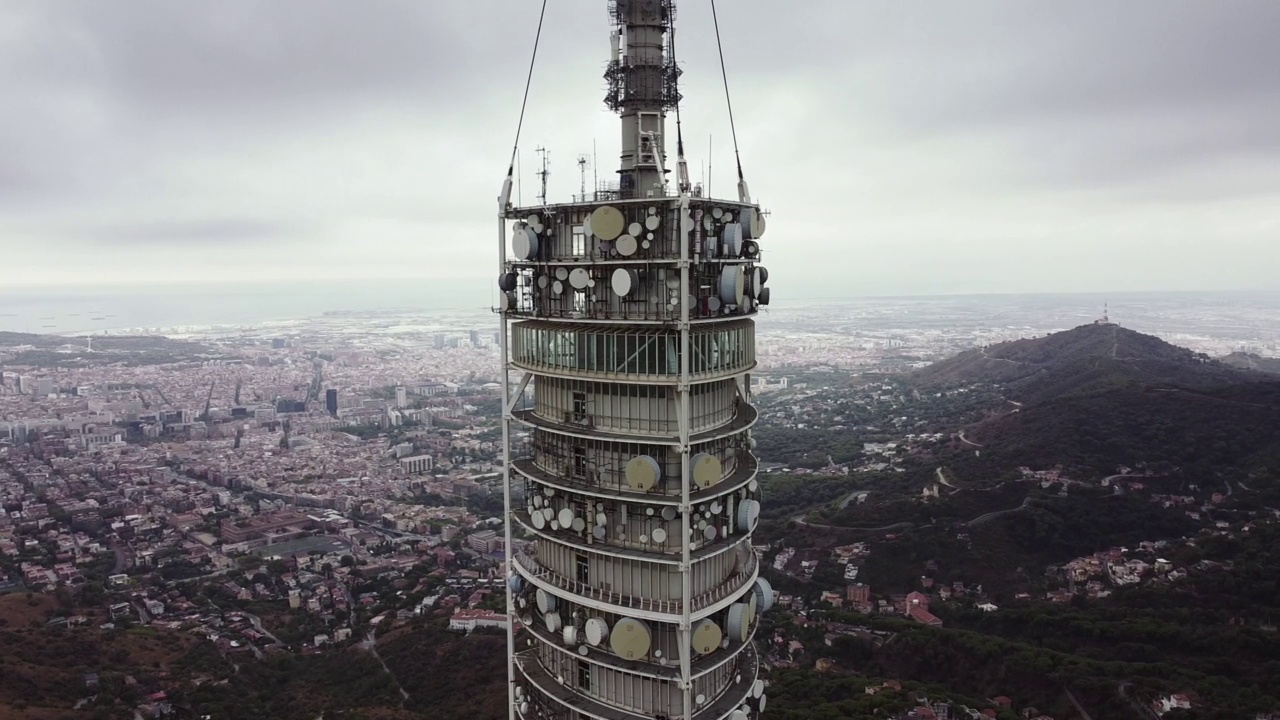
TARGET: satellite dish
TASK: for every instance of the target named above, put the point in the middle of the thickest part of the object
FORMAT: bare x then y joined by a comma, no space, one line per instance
557,287
731,285
700,699
648,511
635,228
747,218
507,282
643,472
652,222
668,513
750,249
763,296
705,469
586,227
515,582
539,520
555,525
748,514
737,624
597,629
732,238
578,525
763,702
716,507
713,304
644,539
562,273
527,620
570,635
579,278
659,536
546,601
552,619
653,210
601,518
706,637
709,532
600,532
757,228
738,715
630,638
506,302
764,594
626,245
624,281
717,213
757,689
524,244
582,650
754,484
607,222
543,282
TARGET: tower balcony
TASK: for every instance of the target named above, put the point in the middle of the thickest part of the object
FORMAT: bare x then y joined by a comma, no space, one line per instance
562,698
643,608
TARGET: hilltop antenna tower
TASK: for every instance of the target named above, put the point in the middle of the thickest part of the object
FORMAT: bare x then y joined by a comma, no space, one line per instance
629,475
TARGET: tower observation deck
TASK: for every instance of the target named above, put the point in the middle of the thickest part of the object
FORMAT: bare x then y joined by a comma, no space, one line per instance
627,321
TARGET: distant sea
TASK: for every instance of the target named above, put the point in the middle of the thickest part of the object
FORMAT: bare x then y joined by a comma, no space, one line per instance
170,307
71,310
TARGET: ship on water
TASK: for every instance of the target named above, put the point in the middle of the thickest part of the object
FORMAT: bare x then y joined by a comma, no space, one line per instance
628,338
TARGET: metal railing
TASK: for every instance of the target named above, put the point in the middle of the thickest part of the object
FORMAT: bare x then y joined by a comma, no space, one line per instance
733,585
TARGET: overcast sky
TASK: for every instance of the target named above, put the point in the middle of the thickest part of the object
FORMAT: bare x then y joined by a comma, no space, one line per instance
902,147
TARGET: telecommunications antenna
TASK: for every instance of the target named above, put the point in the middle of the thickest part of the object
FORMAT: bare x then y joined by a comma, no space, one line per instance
583,163
543,173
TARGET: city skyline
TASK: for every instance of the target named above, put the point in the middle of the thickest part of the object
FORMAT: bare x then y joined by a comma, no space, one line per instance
1006,149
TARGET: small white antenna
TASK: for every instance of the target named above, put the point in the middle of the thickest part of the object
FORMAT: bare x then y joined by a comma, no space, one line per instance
544,173
583,161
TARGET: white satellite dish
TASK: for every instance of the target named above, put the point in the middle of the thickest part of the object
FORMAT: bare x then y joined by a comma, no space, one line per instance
555,525
607,222
659,536
506,302
717,213
652,222
668,513
737,624
600,532
757,688
644,538
546,601
764,594
732,238
700,699
570,635
515,582
626,245
709,532
630,638
706,637
524,244
578,525
748,514
586,227
601,518
713,304
566,517
643,473
624,281
543,282
648,511
747,219
763,702
582,650
597,629
562,273
705,469
552,619
738,715
557,287
579,278
635,228
731,285
539,521
716,507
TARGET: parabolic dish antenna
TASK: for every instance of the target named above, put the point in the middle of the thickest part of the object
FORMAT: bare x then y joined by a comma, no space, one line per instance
607,222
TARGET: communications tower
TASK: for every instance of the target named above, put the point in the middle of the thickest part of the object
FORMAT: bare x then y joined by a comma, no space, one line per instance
633,589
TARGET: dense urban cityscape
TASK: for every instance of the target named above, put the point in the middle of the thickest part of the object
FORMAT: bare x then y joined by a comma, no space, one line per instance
301,487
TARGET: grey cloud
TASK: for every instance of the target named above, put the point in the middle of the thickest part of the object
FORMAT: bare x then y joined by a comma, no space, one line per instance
949,131
220,231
